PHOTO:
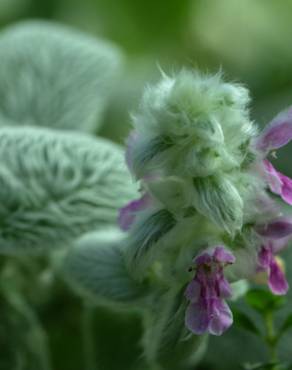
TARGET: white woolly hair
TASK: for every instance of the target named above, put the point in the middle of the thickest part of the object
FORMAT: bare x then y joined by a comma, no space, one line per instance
54,186
203,120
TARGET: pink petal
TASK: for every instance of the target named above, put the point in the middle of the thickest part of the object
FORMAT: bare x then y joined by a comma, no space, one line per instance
276,229
278,183
272,177
221,318
221,254
224,288
277,133
278,245
264,257
127,214
277,280
197,319
286,193
192,291
203,259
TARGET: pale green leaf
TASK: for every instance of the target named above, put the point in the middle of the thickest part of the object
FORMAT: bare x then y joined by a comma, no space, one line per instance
53,76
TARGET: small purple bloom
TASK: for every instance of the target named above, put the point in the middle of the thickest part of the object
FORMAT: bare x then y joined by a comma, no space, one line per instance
278,183
267,262
127,214
207,311
277,133
275,236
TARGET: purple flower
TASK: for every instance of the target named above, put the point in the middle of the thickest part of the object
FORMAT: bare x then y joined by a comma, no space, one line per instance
127,214
267,262
277,133
278,183
275,236
207,311
278,228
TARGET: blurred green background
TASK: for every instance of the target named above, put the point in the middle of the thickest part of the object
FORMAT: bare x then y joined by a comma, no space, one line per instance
250,40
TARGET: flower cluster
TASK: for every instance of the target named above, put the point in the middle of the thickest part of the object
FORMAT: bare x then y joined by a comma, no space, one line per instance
207,193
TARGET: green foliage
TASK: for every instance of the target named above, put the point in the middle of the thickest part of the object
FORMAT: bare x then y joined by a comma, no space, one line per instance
53,76
56,186
243,321
287,325
263,301
95,267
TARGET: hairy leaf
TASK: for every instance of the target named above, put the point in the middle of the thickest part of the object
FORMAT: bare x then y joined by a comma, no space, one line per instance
56,186
53,76
95,267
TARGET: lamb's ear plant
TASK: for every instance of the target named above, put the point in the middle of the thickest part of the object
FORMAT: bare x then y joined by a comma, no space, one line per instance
206,216
205,220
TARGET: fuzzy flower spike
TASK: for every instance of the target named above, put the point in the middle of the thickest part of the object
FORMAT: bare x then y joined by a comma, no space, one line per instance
202,166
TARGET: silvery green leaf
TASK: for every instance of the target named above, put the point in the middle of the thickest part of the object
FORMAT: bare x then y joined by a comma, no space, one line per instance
54,186
141,245
218,200
95,267
53,76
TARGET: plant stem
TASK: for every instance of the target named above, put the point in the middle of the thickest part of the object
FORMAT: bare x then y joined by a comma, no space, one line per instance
271,338
87,322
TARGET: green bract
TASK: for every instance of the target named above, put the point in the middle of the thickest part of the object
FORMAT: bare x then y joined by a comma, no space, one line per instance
192,125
